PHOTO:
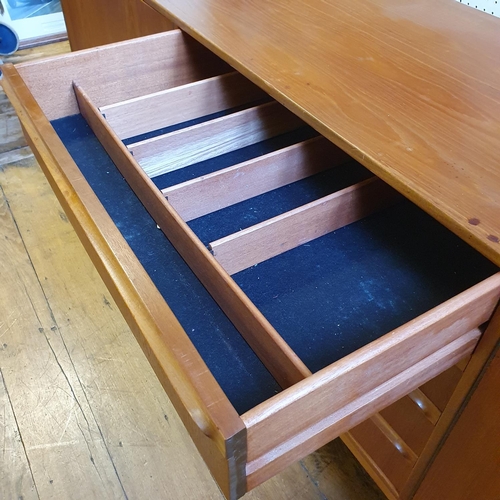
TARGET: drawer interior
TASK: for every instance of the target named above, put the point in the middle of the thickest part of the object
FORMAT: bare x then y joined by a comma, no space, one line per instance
240,373
327,298
345,296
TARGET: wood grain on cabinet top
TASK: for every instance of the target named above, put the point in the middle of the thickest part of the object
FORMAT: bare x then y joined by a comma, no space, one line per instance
409,89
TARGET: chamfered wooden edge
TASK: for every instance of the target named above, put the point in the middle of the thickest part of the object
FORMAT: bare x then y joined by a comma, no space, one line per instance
213,423
276,437
445,214
270,347
473,372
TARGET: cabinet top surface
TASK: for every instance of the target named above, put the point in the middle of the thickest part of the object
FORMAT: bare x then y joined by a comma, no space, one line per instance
409,89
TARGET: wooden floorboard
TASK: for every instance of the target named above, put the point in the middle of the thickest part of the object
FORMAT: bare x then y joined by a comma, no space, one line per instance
60,437
16,479
82,414
11,136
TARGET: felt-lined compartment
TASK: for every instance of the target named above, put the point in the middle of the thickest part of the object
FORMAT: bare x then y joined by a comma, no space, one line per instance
339,292
394,272
238,370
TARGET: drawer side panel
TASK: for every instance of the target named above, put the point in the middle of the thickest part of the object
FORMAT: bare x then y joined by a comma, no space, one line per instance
124,70
211,420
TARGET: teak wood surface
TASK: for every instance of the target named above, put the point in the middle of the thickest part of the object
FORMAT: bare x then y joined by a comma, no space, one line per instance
94,22
75,388
274,236
275,438
409,89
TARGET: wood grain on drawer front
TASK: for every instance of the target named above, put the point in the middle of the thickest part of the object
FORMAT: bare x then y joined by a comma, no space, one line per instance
295,440
349,391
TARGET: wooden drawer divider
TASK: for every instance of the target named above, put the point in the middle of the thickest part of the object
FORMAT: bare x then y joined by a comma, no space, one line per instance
180,104
223,188
272,237
212,138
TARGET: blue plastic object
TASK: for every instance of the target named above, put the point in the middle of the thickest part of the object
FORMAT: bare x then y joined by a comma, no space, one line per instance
9,41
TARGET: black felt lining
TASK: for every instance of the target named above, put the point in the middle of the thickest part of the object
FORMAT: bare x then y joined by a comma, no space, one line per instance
336,294
240,373
326,298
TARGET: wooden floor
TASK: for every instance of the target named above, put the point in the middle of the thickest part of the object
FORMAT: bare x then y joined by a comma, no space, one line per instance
82,415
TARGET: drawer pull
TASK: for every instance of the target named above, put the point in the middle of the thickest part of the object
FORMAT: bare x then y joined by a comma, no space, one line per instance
430,410
394,438
205,425
209,139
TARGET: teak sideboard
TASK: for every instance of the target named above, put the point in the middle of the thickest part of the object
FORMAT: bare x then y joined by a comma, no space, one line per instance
296,207
93,23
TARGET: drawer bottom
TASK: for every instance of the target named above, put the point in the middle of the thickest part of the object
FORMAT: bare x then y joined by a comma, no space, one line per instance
425,268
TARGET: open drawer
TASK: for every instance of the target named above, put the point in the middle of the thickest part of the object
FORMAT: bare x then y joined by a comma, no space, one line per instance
294,295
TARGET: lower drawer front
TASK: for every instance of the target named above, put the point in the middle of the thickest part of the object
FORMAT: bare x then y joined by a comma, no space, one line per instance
390,443
380,456
349,297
